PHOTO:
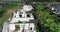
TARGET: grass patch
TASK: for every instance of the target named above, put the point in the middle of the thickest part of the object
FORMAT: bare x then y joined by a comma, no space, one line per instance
5,16
48,19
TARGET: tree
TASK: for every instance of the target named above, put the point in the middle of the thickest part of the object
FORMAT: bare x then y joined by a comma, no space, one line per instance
47,19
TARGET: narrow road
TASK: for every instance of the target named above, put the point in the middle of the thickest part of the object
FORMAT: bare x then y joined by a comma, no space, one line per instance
6,24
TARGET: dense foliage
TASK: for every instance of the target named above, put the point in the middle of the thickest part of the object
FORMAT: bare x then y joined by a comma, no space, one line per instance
47,18
7,6
46,0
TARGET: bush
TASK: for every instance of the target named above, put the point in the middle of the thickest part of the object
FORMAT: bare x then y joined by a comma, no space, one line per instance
46,18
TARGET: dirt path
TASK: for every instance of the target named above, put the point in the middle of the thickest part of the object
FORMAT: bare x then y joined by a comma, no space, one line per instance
10,11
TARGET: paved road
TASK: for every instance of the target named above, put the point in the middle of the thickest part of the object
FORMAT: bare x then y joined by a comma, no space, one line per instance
6,24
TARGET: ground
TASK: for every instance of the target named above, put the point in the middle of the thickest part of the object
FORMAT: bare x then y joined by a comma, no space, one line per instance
7,12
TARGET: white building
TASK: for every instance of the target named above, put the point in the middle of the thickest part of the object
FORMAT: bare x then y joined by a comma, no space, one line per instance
21,14
27,7
26,27
21,20
24,17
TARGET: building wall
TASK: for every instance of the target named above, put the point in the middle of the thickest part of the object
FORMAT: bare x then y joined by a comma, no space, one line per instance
25,26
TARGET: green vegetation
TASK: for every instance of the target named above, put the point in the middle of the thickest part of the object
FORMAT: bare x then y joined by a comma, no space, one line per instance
47,18
45,0
6,12
17,28
4,18
37,28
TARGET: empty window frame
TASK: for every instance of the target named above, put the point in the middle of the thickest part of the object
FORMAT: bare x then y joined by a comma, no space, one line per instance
28,15
20,15
30,28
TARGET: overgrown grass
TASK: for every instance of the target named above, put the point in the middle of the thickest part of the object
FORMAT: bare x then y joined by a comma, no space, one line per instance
47,18
5,16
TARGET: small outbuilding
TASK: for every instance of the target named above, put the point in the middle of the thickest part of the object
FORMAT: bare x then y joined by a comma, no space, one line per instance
55,8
